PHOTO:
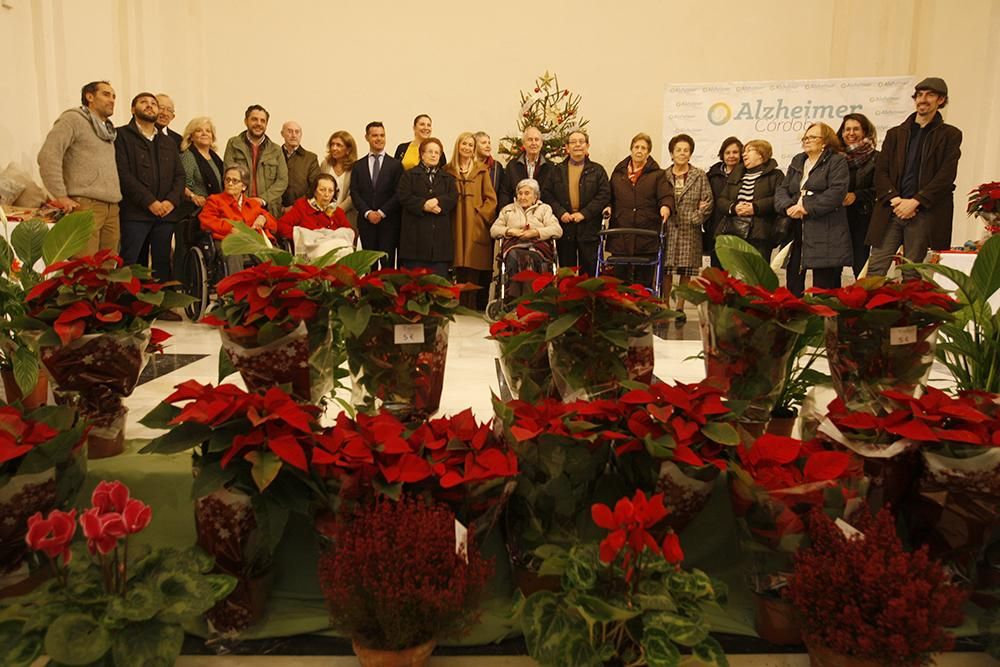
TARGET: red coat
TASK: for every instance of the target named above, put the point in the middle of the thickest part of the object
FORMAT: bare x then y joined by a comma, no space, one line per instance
221,209
303,214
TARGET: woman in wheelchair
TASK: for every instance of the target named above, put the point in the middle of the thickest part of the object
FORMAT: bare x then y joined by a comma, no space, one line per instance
319,212
232,204
527,227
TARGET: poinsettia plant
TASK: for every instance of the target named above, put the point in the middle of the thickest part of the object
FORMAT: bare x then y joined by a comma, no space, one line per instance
109,602
861,594
258,443
883,335
456,460
775,485
598,329
984,202
625,601
524,355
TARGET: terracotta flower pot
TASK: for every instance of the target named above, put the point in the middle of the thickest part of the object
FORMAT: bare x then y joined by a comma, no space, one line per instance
821,656
38,397
777,621
418,656
781,426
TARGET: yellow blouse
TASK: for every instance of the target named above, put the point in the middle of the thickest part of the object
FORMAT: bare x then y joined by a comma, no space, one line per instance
412,156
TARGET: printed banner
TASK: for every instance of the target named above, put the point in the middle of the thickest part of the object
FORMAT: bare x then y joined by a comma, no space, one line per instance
777,111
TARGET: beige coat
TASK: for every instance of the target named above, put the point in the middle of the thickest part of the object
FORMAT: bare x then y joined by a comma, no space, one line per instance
537,216
472,216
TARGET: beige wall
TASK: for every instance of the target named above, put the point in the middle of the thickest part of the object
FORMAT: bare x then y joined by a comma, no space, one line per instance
336,65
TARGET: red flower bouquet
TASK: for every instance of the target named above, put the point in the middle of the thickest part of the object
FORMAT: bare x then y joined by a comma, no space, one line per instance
276,329
396,334
40,470
862,596
91,322
112,598
395,577
984,202
883,336
678,439
748,332
251,465
454,460
775,485
599,330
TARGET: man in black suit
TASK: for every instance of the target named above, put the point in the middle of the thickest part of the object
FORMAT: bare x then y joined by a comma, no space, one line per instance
165,117
373,189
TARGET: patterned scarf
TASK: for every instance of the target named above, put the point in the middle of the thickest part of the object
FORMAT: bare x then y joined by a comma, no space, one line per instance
104,129
859,153
634,174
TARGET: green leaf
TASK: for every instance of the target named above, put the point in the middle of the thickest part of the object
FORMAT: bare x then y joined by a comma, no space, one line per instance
26,366
67,237
355,319
180,438
721,432
265,466
554,636
210,478
968,288
160,416
581,568
22,652
710,652
245,241
597,610
226,367
679,629
359,261
148,644
27,239
659,651
986,269
560,326
743,261
141,603
76,639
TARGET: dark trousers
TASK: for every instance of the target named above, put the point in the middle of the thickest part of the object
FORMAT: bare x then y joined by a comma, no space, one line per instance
384,236
914,235
578,246
859,229
140,238
437,268
827,277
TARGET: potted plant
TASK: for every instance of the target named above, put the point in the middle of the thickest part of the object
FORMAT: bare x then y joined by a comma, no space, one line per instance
863,600
251,471
598,330
31,241
984,203
749,328
625,601
774,486
396,334
801,375
90,322
397,579
453,460
42,466
563,465
970,339
524,356
882,337
109,602
677,440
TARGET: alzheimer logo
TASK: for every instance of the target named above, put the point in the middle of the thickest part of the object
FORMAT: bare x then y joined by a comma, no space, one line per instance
719,113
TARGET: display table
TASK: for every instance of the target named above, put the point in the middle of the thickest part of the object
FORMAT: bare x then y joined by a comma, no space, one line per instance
296,605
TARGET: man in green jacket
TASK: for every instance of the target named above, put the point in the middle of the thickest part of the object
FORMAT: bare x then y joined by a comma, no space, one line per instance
262,158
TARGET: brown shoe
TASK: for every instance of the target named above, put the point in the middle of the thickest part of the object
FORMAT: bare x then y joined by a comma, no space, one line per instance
170,316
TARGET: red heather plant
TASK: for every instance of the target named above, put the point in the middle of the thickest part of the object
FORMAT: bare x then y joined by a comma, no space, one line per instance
394,578
865,597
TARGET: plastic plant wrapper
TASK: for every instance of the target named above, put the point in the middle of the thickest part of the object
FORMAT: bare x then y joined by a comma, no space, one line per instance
523,353
586,369
305,359
405,379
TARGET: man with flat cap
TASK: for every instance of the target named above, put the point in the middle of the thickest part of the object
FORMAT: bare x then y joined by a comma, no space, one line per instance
915,182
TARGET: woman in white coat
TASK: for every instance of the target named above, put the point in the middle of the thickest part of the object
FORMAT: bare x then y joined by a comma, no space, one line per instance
526,227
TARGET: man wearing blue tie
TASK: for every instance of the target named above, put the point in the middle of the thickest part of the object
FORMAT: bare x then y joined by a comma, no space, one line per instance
373,188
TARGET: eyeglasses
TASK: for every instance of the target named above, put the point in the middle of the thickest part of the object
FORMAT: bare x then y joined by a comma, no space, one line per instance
810,137
232,181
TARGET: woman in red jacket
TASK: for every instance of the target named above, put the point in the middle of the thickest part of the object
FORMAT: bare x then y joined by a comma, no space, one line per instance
317,212
221,210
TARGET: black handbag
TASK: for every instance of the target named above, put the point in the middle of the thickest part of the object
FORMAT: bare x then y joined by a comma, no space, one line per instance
735,225
782,230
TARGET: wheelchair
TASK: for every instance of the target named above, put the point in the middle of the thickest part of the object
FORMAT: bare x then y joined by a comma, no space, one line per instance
500,302
654,261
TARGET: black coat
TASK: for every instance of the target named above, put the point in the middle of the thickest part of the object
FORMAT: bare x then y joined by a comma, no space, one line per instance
148,171
717,178
423,236
515,172
826,237
764,187
638,206
595,195
862,184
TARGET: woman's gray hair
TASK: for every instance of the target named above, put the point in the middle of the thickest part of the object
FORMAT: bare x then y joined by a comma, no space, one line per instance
243,171
529,183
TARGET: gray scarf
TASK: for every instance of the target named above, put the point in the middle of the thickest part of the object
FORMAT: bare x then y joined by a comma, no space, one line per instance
103,129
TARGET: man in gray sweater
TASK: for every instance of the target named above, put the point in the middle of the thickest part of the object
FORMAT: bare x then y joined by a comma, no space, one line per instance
77,164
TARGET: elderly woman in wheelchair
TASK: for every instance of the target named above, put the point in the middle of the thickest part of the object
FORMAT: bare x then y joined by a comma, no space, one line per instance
527,227
230,205
316,224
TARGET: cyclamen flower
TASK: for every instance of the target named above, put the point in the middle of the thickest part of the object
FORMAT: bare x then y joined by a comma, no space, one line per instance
110,497
629,524
102,530
53,534
136,516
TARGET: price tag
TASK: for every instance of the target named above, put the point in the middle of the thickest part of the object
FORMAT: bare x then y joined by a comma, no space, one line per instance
408,333
461,540
847,529
903,335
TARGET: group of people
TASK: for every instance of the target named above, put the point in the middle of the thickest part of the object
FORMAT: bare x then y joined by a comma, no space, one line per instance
836,198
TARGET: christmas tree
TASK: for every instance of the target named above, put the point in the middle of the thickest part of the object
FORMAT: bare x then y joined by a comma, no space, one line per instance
554,111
